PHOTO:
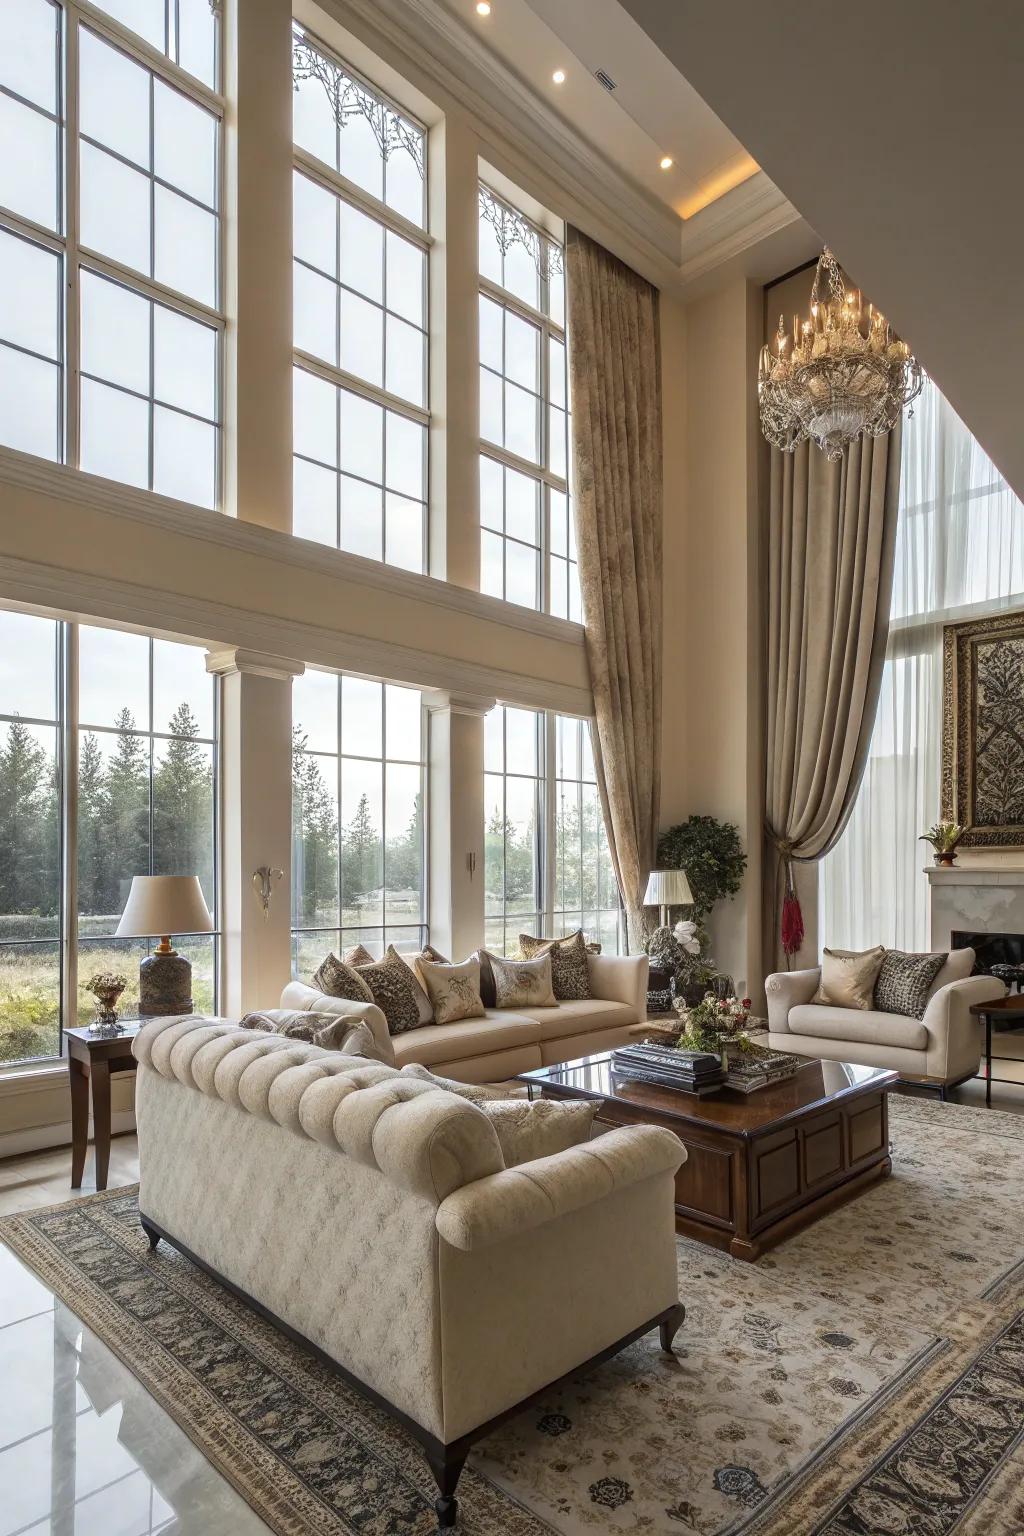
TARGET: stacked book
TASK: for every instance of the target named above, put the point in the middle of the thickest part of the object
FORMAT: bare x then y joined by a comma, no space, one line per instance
697,1072
761,1069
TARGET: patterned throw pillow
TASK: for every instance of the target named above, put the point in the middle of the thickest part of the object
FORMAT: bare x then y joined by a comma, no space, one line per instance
523,983
339,979
904,981
349,1036
393,988
570,976
848,977
359,955
454,990
527,1131
413,961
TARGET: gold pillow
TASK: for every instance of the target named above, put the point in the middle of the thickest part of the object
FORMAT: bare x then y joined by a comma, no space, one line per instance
454,990
848,977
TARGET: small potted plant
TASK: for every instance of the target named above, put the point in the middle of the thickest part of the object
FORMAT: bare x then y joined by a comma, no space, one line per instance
106,987
715,1024
944,837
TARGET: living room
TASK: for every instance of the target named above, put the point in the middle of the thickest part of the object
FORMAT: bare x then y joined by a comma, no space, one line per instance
511,827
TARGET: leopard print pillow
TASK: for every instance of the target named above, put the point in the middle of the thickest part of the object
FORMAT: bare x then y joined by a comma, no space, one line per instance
570,975
339,979
393,988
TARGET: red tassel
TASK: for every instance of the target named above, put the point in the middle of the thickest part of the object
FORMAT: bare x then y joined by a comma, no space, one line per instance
792,923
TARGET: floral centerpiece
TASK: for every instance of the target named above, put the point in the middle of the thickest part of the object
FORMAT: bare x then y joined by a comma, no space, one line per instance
106,987
944,838
717,1024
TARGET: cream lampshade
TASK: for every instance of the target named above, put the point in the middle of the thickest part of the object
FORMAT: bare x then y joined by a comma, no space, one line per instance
158,906
667,888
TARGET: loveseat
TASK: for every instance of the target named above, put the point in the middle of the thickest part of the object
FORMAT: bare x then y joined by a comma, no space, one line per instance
372,1213
504,1042
938,1050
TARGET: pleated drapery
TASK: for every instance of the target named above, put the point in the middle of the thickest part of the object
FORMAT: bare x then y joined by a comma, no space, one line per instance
615,355
831,545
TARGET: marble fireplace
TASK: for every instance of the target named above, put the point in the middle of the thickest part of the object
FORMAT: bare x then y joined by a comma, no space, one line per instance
981,905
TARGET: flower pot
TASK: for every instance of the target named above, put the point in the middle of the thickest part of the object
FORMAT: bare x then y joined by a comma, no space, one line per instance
946,860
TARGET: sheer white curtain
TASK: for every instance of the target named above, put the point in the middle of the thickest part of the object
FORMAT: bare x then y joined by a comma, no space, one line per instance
959,554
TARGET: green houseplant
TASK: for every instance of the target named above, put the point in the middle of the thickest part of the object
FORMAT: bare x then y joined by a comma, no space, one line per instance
944,837
712,855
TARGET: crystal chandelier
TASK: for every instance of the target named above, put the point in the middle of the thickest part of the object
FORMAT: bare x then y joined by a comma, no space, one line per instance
844,371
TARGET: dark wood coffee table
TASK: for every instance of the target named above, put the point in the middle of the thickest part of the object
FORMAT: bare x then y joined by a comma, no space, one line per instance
759,1166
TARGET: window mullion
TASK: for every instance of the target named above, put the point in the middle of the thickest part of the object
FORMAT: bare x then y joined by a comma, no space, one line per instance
550,811
72,280
67,926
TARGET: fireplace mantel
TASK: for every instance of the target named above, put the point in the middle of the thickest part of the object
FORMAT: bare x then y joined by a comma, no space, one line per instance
978,897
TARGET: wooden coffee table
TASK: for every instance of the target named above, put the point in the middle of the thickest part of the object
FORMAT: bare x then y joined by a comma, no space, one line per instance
759,1166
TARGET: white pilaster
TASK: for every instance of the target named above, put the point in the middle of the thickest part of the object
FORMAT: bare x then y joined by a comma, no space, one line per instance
255,823
456,766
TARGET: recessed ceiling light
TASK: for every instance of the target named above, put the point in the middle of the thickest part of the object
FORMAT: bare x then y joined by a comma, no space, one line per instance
483,9
559,76
666,162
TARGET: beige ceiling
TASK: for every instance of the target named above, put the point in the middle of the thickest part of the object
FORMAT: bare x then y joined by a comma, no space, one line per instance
653,111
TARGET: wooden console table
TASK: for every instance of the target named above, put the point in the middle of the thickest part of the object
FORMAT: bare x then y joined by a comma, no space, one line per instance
92,1058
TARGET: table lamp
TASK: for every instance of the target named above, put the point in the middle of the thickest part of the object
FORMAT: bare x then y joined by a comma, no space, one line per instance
158,906
667,888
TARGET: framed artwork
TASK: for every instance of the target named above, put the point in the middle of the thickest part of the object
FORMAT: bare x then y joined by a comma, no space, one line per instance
983,730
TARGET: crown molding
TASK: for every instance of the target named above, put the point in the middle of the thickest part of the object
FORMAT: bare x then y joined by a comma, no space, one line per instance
226,661
285,549
72,594
735,221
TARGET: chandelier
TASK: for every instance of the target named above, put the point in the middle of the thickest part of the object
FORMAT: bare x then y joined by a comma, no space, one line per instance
844,371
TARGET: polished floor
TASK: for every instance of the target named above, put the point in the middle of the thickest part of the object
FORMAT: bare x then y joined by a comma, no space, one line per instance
84,1449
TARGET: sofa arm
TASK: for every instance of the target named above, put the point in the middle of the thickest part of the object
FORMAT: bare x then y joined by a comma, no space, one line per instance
786,990
308,1000
620,979
518,1199
954,1034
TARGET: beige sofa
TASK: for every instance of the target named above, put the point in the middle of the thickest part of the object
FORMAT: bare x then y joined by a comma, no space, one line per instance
371,1212
505,1043
939,1050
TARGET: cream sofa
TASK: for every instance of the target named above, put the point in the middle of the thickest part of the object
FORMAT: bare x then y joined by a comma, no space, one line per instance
939,1050
371,1212
505,1043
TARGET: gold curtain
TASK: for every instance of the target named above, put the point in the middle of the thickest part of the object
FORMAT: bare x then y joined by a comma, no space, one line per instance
615,355
831,546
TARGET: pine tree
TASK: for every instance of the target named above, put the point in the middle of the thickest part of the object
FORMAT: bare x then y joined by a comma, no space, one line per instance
126,811
93,851
183,804
361,855
27,883
314,838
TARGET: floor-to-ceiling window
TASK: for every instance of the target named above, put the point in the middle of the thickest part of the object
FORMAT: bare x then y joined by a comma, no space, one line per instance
358,817
137,718
959,554
514,749
527,539
111,314
584,892
360,316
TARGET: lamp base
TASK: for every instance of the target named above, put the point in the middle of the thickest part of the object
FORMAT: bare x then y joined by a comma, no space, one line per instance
165,985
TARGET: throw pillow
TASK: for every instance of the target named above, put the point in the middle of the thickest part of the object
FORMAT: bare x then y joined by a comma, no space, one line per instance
454,990
848,977
392,987
904,982
523,983
339,979
487,989
352,1037
413,960
570,977
527,1131
358,955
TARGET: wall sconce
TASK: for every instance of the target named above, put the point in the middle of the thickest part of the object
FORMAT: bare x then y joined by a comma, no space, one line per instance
264,880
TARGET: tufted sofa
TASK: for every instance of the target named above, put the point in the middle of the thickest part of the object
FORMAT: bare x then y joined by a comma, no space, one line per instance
505,1043
371,1212
940,1049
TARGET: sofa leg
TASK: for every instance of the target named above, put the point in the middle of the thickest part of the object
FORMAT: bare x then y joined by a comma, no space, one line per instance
151,1233
671,1326
447,1469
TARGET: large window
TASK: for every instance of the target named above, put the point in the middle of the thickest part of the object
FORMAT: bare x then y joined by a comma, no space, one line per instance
527,540
110,242
141,726
547,864
360,320
358,830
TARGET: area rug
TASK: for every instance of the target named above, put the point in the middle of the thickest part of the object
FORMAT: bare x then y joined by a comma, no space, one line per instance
864,1379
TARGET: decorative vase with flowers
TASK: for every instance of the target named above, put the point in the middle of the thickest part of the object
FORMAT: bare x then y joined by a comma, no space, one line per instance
106,987
717,1024
944,837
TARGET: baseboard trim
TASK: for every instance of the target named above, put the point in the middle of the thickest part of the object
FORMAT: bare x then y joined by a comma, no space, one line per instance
40,1138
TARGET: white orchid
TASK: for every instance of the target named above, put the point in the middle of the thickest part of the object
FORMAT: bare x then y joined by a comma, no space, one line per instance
685,932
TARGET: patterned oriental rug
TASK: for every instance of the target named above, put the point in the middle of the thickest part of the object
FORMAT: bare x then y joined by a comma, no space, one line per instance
864,1379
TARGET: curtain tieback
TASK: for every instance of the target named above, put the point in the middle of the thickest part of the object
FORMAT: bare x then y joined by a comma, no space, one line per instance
791,924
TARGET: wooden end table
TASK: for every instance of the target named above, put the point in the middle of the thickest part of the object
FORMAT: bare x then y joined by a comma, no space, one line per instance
92,1058
1004,1010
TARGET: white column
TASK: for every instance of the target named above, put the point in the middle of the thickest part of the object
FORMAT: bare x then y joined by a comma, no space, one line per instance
255,823
454,390
456,766
258,267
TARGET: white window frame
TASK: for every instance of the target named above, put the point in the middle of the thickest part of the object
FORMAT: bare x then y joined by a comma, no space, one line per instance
331,180
76,257
541,472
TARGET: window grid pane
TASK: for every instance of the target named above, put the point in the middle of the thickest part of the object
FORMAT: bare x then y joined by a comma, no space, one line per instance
513,801
585,893
358,822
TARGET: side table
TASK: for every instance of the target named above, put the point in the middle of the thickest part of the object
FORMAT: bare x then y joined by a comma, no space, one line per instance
92,1058
1004,1010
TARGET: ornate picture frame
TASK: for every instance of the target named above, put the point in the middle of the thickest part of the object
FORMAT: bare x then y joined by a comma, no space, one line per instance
983,730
